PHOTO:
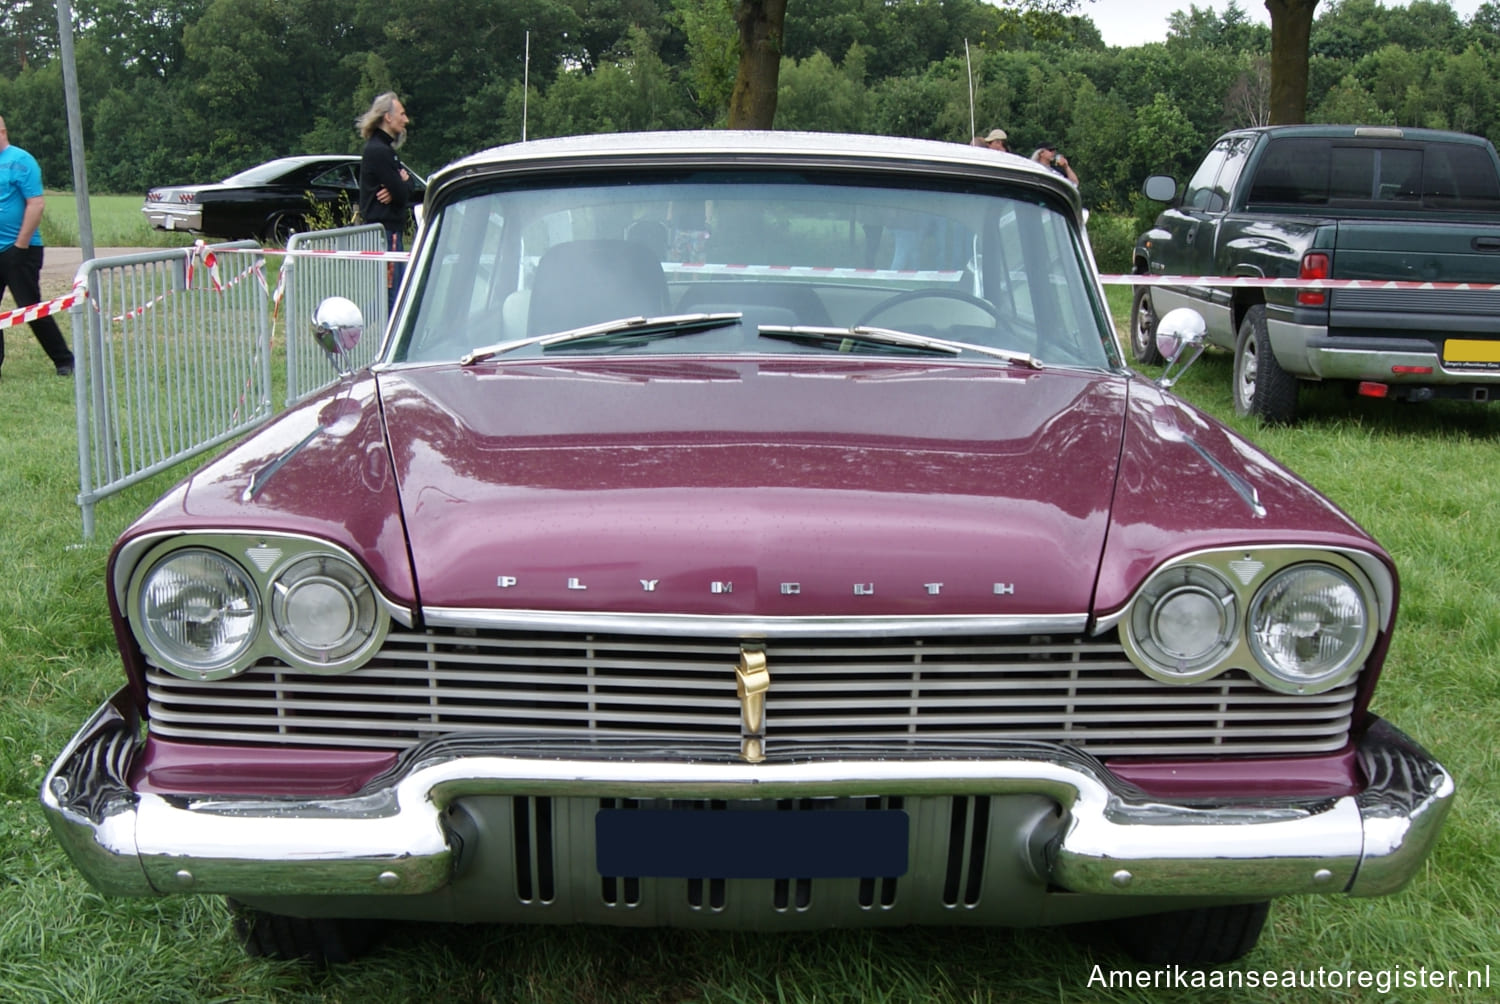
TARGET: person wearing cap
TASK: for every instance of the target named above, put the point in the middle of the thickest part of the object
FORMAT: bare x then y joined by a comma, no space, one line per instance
997,140
1047,154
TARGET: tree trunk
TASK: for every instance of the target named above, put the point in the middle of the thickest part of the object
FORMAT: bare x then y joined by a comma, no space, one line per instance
1291,28
752,105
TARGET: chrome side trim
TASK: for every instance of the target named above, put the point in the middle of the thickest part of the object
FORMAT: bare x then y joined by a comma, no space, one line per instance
391,839
735,626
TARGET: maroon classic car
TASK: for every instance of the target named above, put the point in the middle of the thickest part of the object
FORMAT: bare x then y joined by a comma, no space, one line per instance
756,531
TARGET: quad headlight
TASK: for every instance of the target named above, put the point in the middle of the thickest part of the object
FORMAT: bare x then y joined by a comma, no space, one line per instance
1308,624
323,609
1186,620
208,606
200,611
1297,620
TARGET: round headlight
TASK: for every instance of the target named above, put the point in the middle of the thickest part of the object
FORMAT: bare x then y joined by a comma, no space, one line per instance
1183,622
199,612
1309,625
324,611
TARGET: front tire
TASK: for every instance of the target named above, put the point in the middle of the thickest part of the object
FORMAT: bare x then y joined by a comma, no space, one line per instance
1261,387
1207,936
322,941
1143,329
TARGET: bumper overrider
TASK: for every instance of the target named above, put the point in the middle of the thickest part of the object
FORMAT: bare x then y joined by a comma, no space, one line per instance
1106,838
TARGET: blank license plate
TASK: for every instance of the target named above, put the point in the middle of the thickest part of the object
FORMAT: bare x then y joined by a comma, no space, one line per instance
1472,353
683,843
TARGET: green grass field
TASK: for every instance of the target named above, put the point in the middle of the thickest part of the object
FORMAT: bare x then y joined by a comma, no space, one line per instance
1416,476
117,221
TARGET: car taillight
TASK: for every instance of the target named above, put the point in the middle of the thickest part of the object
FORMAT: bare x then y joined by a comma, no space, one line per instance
185,197
1314,266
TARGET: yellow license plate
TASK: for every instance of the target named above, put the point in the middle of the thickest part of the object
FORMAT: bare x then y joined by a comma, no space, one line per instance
1471,350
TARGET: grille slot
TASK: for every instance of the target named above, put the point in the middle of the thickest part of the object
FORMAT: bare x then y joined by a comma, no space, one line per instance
535,875
902,691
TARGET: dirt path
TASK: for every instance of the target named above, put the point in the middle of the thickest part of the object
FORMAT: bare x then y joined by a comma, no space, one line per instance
60,265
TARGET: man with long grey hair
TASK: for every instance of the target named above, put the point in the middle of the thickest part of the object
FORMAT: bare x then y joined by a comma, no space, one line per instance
384,182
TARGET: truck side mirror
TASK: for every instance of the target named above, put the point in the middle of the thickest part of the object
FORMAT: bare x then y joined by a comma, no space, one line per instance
1160,188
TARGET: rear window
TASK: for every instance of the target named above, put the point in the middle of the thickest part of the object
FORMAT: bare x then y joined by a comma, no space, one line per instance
1307,171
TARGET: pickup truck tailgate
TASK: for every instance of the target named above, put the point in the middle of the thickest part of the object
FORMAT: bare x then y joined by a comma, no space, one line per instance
1431,252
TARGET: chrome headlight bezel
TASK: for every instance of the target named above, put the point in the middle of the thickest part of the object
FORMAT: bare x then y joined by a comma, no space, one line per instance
1250,575
218,596
278,567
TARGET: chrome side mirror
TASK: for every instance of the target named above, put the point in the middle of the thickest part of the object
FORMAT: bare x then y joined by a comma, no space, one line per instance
337,326
1180,338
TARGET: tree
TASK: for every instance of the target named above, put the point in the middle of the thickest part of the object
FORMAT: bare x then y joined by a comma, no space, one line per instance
1291,29
752,104
28,34
1249,100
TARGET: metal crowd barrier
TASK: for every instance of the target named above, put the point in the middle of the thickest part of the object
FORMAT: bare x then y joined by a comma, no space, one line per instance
172,358
309,279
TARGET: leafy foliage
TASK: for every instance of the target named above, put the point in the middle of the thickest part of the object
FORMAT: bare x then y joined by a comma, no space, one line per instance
182,91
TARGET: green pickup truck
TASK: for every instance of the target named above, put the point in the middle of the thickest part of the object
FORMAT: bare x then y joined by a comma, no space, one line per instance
1334,202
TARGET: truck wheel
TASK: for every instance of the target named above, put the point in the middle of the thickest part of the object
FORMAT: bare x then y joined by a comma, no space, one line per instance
1143,329
322,941
1261,387
1208,936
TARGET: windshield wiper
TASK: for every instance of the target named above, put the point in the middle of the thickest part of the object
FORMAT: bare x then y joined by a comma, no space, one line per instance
845,339
624,329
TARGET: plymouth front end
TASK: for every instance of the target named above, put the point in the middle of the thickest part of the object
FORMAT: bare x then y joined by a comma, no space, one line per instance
741,534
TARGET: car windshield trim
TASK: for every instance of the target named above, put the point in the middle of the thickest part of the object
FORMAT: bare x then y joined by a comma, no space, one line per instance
621,329
807,334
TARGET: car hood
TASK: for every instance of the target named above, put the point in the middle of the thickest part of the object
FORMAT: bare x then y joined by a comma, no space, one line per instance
764,487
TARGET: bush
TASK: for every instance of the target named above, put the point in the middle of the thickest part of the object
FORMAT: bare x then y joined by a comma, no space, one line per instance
1113,240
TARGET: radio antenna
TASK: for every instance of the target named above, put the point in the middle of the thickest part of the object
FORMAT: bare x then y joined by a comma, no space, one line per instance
970,64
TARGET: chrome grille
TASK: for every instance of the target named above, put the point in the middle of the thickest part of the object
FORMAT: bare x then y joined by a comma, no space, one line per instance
905,691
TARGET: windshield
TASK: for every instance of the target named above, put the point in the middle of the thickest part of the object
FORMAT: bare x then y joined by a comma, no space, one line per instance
982,265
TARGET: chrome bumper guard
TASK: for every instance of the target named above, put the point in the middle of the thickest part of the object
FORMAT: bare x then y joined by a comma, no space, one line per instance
390,839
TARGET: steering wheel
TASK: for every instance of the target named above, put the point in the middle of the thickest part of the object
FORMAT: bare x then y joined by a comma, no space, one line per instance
917,294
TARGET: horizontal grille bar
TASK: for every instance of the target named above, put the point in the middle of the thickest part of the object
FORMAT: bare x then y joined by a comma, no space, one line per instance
909,691
1435,301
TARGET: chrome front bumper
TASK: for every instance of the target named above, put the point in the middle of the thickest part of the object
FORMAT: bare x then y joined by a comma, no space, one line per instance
392,839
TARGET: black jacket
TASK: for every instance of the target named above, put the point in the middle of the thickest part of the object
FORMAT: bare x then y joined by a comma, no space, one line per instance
379,167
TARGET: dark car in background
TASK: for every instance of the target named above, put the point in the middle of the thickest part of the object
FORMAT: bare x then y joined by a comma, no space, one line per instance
268,202
758,531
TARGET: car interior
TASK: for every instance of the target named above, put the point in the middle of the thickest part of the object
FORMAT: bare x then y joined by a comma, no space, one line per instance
996,267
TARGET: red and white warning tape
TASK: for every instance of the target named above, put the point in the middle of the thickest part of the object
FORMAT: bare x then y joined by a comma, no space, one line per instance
25,315
1230,282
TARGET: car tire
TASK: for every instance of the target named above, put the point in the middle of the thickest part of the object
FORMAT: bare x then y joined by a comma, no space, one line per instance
1207,936
321,941
1143,329
1261,387
281,228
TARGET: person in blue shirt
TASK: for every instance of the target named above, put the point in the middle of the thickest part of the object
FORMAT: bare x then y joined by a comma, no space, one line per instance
21,206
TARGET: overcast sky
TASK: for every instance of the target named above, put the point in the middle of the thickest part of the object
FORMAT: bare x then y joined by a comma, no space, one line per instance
1136,22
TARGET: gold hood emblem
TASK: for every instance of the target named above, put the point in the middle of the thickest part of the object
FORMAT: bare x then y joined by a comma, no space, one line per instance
752,678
